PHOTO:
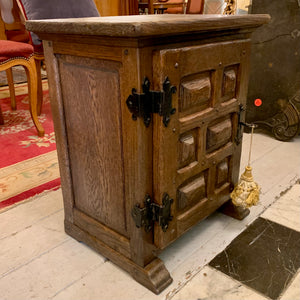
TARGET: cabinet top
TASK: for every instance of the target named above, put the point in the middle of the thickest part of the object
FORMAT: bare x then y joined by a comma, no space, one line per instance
146,25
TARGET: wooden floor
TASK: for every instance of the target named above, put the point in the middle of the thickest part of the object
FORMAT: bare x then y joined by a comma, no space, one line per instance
39,261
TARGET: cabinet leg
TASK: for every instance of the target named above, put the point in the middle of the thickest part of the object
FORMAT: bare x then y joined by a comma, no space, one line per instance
233,211
153,276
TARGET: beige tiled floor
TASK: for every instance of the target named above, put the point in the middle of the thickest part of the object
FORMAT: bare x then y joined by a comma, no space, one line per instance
39,261
286,210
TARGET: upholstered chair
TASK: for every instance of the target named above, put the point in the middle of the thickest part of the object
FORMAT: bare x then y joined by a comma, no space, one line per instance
54,9
17,53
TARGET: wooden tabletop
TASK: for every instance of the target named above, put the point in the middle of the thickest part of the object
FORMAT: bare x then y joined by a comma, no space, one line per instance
146,25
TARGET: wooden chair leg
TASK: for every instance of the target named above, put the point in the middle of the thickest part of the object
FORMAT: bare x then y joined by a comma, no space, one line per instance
39,86
1,117
32,92
11,85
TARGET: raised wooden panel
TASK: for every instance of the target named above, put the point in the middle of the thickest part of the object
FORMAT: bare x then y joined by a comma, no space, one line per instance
218,135
187,148
192,192
195,92
94,137
229,84
222,173
195,153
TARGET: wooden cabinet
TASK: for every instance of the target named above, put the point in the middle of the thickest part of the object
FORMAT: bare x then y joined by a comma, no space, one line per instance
146,112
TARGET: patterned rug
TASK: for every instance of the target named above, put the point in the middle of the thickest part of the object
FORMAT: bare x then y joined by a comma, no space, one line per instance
28,163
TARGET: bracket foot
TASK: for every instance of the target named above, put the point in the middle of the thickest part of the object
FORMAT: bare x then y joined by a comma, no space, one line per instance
233,211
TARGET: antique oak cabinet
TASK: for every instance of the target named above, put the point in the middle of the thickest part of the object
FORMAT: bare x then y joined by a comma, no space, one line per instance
146,112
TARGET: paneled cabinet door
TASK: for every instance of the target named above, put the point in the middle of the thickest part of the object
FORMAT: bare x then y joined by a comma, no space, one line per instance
196,158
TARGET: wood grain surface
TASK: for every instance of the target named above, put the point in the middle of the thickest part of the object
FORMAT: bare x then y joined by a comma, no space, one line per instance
93,123
196,149
145,25
110,162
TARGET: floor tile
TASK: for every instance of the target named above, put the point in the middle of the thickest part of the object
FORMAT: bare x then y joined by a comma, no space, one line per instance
28,213
54,270
293,291
265,257
107,281
213,285
25,245
286,210
279,162
262,145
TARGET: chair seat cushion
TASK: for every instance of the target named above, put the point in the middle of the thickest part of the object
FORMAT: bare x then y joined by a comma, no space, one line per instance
10,49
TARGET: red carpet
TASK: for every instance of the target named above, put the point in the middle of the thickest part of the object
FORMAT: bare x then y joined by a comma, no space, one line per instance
28,163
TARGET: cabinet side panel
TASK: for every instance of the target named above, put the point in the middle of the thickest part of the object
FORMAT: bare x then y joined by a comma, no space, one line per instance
91,98
60,129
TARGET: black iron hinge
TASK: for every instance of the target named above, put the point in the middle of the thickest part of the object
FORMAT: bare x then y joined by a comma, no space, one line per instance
152,212
145,104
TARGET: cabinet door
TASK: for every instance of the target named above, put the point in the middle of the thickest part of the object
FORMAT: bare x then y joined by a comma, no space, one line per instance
195,158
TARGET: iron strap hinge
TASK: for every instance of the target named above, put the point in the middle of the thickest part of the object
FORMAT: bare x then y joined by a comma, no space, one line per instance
145,104
152,212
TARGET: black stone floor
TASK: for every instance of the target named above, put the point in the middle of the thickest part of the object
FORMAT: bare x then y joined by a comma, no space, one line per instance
265,257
